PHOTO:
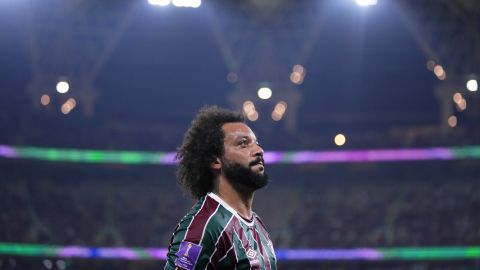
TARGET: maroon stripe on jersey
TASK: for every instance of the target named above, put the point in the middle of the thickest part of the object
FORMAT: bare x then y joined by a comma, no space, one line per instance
195,230
224,242
242,234
263,252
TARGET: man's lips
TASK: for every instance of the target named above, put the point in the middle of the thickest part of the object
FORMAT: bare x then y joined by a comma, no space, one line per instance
258,161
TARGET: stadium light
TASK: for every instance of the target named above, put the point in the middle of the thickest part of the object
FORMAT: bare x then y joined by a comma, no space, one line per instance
457,98
63,87
462,105
440,72
45,99
279,110
68,106
472,85
195,3
452,121
159,2
187,3
365,3
264,93
340,139
298,74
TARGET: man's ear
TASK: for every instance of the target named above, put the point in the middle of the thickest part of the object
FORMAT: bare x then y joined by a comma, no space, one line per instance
216,164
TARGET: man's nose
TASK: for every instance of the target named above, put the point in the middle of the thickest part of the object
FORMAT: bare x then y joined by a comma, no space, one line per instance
258,151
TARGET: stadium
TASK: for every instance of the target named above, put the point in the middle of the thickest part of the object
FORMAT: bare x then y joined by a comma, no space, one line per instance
368,112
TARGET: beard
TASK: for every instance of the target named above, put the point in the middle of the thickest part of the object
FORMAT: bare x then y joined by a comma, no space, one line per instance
244,178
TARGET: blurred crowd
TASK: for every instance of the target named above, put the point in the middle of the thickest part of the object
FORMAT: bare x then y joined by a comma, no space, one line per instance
55,130
337,206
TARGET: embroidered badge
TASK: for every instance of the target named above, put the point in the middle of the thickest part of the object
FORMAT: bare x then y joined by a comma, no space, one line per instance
252,257
251,254
187,255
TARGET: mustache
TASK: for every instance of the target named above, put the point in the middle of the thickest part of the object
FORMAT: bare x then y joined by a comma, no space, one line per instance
258,160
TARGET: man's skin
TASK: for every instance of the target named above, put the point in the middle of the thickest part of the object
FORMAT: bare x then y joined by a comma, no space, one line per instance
240,146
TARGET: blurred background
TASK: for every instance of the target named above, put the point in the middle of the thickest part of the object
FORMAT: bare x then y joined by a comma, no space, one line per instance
369,112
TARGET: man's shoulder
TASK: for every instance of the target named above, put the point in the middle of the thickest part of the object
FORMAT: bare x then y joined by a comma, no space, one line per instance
206,215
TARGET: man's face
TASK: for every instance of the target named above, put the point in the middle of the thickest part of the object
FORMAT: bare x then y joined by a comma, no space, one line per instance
242,162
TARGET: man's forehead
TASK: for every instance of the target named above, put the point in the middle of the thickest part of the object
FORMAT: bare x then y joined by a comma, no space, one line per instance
234,130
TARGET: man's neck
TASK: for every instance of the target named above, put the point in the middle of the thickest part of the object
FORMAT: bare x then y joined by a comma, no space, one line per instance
238,200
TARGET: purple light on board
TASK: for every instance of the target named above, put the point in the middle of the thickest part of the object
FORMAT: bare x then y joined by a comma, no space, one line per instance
120,252
409,154
73,251
358,156
168,158
7,151
272,157
158,253
328,254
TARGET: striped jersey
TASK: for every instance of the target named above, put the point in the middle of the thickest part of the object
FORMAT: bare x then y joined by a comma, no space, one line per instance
214,236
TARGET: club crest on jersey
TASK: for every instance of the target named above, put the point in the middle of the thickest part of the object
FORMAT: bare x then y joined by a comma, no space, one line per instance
252,256
187,255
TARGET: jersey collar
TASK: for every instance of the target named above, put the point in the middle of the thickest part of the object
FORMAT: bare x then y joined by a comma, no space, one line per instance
229,208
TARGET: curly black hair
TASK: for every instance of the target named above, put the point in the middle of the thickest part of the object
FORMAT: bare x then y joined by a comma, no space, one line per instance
202,143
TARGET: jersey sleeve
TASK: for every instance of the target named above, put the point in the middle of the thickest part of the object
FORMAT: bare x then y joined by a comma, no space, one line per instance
190,254
197,236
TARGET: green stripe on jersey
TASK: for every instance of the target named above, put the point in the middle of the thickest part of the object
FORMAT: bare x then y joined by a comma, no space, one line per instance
267,247
212,232
252,243
242,260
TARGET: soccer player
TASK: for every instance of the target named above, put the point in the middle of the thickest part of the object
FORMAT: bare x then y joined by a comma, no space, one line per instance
221,164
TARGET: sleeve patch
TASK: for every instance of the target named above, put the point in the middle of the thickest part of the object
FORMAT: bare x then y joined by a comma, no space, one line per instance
187,255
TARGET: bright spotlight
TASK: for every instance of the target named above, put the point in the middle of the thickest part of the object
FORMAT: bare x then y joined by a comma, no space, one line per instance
365,3
62,87
472,85
187,3
159,2
264,93
340,139
179,3
195,3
